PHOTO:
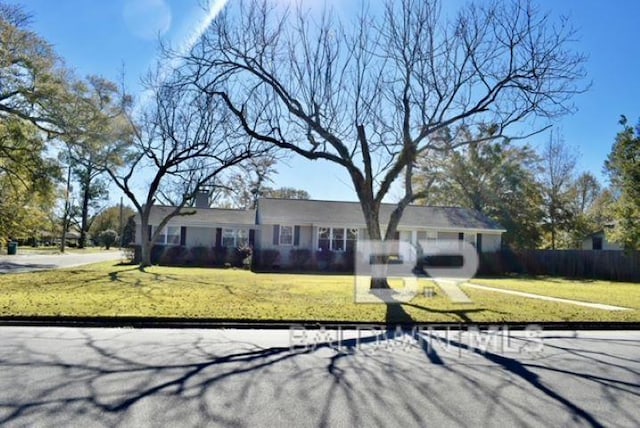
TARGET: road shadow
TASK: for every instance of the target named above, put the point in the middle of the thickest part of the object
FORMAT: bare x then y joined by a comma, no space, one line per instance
211,379
9,267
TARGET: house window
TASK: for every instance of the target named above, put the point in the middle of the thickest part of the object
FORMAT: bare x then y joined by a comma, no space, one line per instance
324,238
242,238
170,235
228,237
352,237
337,238
597,242
235,237
286,235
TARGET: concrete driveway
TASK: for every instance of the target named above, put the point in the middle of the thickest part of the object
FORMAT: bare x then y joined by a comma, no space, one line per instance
33,262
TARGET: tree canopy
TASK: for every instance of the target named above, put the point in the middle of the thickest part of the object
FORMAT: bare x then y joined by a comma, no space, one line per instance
623,168
94,141
496,178
35,81
27,180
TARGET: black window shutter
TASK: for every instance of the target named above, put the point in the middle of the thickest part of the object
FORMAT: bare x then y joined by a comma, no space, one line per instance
276,234
150,230
461,236
296,236
252,237
183,235
218,237
479,242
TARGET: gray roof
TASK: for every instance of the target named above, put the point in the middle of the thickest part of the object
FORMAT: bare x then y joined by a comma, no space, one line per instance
205,216
302,212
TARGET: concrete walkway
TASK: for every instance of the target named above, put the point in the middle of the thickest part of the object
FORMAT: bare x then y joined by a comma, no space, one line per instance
547,298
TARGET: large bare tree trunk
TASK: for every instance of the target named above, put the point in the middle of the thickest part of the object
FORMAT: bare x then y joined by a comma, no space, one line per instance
84,223
145,243
372,219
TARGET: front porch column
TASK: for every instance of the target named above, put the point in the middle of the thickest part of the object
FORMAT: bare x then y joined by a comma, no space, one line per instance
314,238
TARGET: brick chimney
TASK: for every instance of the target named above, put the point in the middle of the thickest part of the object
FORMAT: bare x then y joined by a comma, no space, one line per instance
202,198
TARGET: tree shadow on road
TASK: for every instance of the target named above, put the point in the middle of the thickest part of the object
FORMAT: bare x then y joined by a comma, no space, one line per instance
9,267
209,378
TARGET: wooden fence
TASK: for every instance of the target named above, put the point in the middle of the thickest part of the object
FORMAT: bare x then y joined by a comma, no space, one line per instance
588,264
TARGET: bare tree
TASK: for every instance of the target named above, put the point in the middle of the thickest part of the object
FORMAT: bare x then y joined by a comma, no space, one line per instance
587,190
182,142
557,180
245,186
375,93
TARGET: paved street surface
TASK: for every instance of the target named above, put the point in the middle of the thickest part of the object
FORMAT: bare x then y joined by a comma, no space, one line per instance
126,377
33,262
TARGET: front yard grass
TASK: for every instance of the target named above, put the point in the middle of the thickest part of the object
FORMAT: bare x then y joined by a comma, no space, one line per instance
622,294
106,289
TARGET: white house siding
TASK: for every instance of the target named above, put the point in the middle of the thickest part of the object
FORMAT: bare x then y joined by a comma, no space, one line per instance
206,236
447,235
266,236
200,236
491,242
406,236
265,240
470,237
306,237
587,243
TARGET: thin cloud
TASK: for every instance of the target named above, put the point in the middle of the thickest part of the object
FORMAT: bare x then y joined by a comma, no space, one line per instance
215,7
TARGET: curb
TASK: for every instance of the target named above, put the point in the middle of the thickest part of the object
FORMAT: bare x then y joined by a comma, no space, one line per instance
212,323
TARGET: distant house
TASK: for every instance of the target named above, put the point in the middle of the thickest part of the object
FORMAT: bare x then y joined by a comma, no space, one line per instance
599,241
318,226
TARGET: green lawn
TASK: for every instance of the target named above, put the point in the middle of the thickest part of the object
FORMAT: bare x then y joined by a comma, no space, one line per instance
106,289
610,293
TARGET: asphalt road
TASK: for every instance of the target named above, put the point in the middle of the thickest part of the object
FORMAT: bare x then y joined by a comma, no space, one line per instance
235,378
34,262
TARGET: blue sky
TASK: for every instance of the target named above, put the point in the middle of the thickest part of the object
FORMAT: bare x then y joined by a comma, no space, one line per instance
100,37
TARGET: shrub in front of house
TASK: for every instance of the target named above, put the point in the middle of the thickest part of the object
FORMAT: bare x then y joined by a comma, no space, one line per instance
245,254
337,264
157,252
325,259
269,259
344,262
219,256
235,257
175,256
201,256
300,258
